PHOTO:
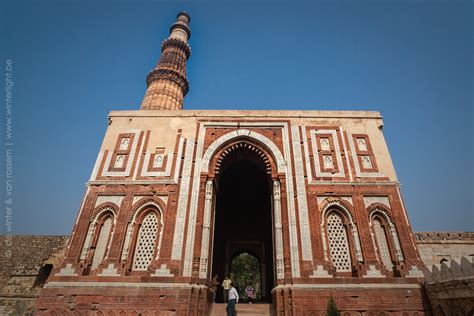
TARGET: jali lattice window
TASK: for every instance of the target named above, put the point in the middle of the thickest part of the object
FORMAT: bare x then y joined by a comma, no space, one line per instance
146,241
382,244
338,244
101,245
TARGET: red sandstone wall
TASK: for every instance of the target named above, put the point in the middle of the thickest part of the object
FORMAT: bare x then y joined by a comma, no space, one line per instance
171,181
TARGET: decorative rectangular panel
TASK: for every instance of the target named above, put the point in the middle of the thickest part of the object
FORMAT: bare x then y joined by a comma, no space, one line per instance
121,153
120,161
363,156
325,153
158,162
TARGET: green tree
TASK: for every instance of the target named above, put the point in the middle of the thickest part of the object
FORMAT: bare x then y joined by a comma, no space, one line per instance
332,308
245,270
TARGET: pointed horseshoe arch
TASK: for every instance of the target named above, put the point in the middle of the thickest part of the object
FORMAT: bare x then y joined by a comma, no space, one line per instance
275,166
238,144
268,145
344,207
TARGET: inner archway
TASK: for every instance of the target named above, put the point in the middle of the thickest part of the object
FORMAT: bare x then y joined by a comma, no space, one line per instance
245,270
243,214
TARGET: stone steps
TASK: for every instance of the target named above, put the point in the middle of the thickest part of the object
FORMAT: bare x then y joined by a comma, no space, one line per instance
243,309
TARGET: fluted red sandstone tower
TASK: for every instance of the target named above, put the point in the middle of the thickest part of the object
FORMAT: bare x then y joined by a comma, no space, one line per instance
175,195
167,83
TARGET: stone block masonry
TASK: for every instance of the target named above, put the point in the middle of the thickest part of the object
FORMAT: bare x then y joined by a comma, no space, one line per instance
24,270
435,247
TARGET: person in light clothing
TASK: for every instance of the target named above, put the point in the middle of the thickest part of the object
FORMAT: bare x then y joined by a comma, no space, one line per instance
233,299
226,285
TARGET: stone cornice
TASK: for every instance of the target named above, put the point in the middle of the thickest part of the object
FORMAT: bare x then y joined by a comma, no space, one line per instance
174,42
168,74
444,236
283,114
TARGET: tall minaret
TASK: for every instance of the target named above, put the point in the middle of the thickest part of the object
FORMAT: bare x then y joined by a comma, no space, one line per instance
167,83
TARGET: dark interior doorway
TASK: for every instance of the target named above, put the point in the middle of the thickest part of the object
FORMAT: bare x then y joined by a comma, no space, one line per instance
243,217
43,275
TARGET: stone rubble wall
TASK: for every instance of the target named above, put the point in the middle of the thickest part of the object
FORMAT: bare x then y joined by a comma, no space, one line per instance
21,259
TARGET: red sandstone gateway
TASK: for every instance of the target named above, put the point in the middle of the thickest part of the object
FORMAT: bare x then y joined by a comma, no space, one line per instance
175,196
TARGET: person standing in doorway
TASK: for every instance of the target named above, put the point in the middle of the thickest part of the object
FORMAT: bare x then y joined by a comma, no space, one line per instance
250,293
226,285
233,299
214,284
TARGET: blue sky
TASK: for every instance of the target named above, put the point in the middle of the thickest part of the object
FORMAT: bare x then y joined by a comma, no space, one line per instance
73,62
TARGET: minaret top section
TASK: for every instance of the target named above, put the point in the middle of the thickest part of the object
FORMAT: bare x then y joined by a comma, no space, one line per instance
167,83
180,29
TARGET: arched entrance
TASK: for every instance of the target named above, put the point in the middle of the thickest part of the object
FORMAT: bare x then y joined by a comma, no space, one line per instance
243,212
245,270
